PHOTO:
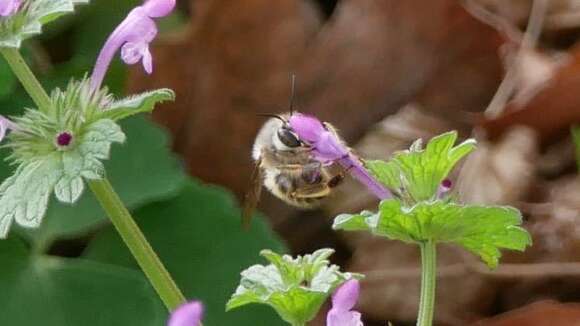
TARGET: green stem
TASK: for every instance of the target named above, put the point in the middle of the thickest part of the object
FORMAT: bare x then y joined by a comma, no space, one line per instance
428,279
27,78
138,245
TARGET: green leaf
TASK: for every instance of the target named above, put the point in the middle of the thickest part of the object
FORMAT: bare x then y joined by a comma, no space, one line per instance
576,138
145,153
198,237
418,172
28,21
144,102
68,190
24,196
480,229
51,291
295,287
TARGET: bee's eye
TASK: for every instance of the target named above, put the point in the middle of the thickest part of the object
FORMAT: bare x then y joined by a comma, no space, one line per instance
288,138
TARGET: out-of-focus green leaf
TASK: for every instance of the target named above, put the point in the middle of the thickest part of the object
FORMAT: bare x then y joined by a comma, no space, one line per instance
28,20
51,291
198,237
576,138
7,80
480,229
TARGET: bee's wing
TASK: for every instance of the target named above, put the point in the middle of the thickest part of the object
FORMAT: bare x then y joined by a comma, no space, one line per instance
252,195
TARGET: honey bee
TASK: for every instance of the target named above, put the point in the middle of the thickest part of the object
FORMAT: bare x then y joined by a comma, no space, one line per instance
285,165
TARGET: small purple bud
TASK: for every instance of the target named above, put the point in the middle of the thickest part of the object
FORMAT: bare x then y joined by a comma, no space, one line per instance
64,139
444,187
343,300
188,314
446,183
9,7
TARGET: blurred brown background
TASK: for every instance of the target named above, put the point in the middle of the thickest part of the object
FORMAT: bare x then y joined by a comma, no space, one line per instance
386,72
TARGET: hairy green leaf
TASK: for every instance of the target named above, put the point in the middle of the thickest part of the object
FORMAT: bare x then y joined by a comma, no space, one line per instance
24,196
29,19
416,173
294,287
144,102
480,229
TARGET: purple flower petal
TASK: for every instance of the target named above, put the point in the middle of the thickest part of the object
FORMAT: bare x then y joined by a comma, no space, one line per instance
133,36
346,295
9,7
307,127
343,300
159,8
343,318
188,314
147,61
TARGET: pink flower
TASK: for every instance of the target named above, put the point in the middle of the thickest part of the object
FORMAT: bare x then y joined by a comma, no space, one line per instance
327,148
343,300
188,314
9,7
133,36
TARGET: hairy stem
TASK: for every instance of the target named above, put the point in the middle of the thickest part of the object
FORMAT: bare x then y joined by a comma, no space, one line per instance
27,78
428,279
138,245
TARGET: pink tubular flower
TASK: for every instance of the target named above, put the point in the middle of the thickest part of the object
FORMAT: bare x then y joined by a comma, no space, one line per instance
188,314
9,7
343,300
133,36
327,148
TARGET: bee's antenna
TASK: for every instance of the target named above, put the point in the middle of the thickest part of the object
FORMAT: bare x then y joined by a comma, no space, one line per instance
269,115
292,94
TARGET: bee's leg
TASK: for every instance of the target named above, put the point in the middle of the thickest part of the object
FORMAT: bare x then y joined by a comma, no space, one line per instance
339,178
336,180
311,172
319,190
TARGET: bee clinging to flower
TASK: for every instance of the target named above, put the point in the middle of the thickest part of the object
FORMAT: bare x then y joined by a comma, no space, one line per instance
301,160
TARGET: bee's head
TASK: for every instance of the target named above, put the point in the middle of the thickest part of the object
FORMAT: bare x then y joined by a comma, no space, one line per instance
287,137
283,137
